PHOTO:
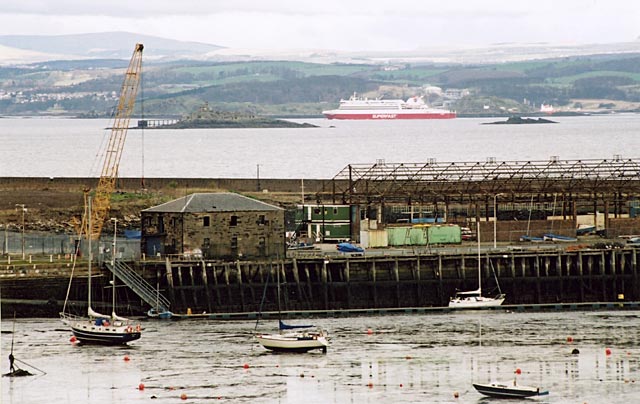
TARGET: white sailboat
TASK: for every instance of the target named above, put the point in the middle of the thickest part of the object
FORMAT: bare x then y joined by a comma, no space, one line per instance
99,328
473,299
293,338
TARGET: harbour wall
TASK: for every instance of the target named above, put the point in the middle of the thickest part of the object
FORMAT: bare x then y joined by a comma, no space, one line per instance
336,283
134,184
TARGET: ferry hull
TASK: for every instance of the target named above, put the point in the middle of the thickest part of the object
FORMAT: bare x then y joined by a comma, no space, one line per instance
389,115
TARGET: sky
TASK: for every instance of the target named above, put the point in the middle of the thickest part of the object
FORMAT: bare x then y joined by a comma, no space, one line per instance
346,25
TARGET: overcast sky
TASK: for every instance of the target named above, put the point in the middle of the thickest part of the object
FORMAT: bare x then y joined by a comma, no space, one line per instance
334,24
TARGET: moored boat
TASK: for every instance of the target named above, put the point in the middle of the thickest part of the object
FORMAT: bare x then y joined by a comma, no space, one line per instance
507,390
473,299
358,108
98,328
296,341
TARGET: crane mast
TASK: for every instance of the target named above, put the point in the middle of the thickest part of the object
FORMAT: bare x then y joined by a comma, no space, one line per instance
113,152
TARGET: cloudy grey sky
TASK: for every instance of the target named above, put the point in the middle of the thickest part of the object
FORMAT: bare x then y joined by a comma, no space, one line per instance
334,24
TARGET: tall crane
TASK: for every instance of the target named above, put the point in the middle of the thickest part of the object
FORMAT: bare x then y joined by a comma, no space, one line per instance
102,200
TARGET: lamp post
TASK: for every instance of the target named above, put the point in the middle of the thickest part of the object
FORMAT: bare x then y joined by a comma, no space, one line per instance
258,175
495,219
24,209
113,249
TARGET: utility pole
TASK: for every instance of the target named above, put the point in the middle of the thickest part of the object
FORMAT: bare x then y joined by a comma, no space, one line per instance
495,219
23,207
258,175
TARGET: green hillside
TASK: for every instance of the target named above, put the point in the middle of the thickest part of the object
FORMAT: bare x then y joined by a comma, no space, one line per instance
90,88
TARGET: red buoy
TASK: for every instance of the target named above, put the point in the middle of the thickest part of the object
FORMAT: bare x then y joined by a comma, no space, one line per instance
607,351
518,371
370,384
569,339
141,386
369,331
246,366
126,358
73,339
183,396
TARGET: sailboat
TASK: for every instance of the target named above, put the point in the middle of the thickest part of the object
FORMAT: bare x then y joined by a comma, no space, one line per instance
99,328
159,311
292,338
473,299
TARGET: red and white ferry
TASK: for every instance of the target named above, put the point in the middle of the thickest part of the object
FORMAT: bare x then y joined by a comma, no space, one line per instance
363,108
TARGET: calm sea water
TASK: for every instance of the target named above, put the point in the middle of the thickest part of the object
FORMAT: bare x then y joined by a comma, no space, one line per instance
406,359
69,147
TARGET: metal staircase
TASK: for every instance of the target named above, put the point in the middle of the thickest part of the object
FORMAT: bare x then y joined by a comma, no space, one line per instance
137,283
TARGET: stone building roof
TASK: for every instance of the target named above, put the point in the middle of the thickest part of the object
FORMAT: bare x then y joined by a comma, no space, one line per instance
212,202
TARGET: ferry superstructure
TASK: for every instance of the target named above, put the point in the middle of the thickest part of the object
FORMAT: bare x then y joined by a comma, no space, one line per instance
363,108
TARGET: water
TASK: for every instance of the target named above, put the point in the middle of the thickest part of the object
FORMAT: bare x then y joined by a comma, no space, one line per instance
406,359
69,147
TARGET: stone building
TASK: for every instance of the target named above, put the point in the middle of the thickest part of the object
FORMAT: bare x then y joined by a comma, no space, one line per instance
224,226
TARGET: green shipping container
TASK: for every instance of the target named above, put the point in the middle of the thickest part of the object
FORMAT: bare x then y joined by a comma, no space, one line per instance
403,236
446,234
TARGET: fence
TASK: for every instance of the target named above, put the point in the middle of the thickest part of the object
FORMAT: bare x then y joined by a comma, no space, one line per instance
61,244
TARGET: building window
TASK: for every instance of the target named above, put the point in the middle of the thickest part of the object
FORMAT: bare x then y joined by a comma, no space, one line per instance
261,220
234,245
234,221
206,221
335,211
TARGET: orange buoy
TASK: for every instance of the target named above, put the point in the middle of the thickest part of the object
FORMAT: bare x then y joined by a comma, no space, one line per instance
370,384
73,339
141,386
246,366
518,371
183,396
607,351
569,339
369,331
126,358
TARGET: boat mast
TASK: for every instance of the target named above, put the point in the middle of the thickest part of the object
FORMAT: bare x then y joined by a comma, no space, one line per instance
90,257
479,270
113,272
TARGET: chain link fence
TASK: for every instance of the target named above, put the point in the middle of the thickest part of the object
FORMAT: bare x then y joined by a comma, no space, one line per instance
39,244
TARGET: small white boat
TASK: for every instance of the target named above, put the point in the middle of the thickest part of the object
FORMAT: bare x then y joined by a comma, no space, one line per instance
473,299
292,338
508,390
296,341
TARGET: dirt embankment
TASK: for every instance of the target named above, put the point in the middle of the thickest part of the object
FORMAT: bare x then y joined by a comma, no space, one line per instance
54,206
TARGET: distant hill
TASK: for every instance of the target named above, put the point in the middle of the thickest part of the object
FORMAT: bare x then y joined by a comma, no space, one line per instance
181,76
105,45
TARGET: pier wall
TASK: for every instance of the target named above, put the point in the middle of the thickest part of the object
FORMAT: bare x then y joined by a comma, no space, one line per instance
339,283
397,281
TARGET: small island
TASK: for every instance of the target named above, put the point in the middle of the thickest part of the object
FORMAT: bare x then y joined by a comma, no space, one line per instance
206,117
516,120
